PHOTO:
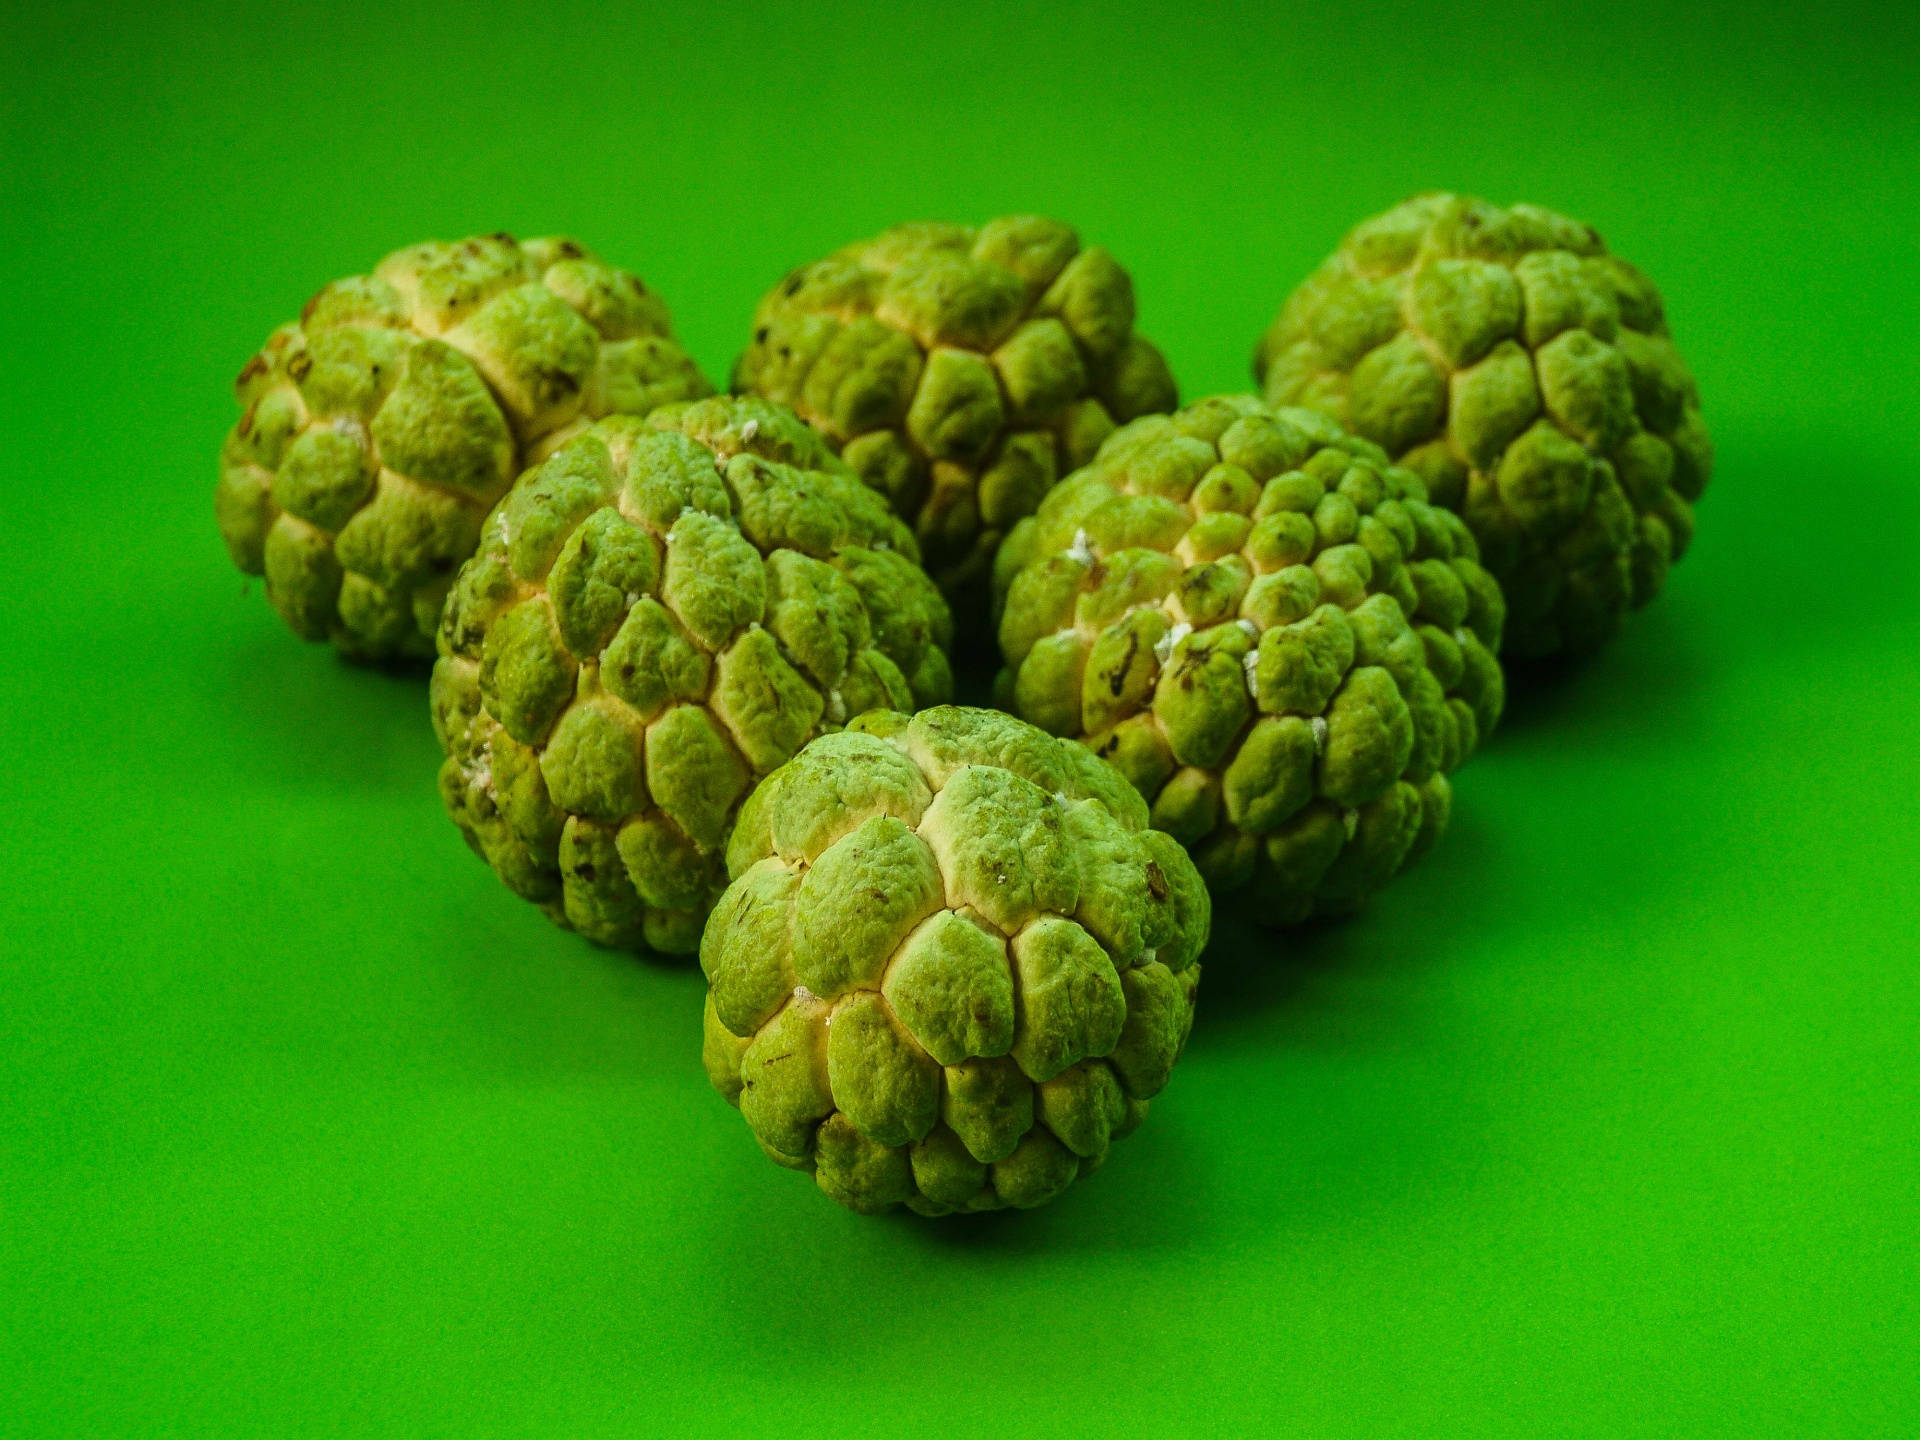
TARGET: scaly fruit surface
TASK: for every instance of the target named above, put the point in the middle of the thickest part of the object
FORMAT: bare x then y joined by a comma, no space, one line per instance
658,614
954,964
1529,377
379,428
1270,631
961,371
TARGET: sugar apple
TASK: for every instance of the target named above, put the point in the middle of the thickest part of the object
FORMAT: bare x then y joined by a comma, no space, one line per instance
381,426
1270,631
953,965
657,614
960,372
1528,376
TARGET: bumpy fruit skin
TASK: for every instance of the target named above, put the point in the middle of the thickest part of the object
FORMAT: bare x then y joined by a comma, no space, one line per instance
380,428
1529,378
954,963
960,372
1270,631
658,614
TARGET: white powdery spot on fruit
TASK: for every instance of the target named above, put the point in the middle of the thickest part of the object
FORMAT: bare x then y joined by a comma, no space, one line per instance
480,776
836,708
1350,819
749,430
1319,727
1082,548
1461,635
1250,663
1253,630
349,426
800,992
1164,646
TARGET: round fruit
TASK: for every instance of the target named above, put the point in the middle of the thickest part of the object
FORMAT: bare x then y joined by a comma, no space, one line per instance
381,426
960,371
1269,630
1528,376
659,613
954,963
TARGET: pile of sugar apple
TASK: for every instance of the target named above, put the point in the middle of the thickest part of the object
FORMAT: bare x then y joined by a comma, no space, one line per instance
693,654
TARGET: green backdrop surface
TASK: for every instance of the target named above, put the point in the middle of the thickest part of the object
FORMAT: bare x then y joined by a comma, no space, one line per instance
1601,1122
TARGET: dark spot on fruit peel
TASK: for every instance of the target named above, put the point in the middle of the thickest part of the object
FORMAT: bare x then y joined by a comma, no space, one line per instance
794,282
559,382
1120,671
760,335
1156,880
586,872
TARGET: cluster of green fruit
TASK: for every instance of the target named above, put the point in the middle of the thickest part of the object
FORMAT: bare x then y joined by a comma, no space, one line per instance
692,651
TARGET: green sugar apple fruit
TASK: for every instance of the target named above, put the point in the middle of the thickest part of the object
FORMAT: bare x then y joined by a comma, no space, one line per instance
954,963
1528,376
960,372
1270,631
659,613
380,427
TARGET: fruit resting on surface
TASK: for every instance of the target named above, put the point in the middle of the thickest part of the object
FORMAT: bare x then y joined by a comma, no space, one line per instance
1528,376
1271,633
380,427
659,613
961,371
954,963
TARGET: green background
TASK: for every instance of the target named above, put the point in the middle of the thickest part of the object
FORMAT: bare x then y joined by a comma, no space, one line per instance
1602,1122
